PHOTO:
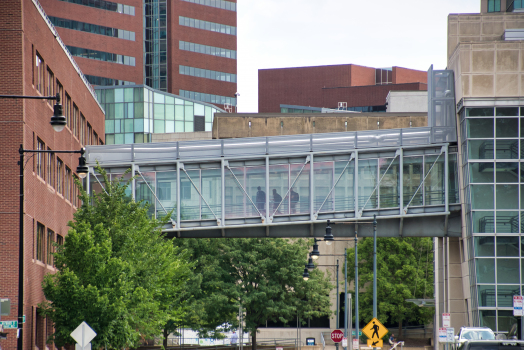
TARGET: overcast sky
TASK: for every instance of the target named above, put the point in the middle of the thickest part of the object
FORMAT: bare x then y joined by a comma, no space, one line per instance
373,33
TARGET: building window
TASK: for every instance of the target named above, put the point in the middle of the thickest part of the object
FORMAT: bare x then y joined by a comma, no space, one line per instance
40,146
67,111
106,5
217,99
221,4
82,131
39,72
493,5
102,56
40,239
74,129
49,246
95,138
89,134
208,74
50,166
205,25
50,85
207,50
92,28
101,81
59,176
67,183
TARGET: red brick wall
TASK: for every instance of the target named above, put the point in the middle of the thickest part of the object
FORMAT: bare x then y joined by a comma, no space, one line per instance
357,96
91,41
405,75
303,86
178,57
22,122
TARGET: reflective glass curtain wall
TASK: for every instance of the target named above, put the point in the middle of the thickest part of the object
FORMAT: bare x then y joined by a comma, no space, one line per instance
155,44
492,156
134,113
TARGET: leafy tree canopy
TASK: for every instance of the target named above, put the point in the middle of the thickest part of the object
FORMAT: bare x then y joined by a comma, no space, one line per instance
404,271
116,272
264,275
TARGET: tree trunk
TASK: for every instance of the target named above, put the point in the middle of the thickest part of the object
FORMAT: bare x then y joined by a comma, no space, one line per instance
166,334
399,329
254,339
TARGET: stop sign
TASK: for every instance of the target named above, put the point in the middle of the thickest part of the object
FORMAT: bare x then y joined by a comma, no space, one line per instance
337,335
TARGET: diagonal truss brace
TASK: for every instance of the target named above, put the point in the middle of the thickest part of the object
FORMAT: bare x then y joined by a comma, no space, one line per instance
335,185
397,153
226,163
154,194
181,167
293,184
96,177
405,210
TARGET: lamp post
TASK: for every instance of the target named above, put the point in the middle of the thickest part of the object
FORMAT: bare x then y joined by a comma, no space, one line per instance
58,122
81,171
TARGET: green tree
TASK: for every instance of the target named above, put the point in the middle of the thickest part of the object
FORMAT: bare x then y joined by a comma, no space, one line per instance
264,275
116,272
404,271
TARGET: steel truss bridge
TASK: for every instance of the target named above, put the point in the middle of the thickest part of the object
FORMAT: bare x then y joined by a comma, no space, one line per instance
289,186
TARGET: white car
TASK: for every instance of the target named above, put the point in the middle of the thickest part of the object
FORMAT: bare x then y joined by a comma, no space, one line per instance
473,333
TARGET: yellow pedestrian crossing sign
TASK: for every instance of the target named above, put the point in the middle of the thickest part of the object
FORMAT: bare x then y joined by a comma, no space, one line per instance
375,330
375,343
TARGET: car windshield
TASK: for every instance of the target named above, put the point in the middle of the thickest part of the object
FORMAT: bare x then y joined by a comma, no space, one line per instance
478,335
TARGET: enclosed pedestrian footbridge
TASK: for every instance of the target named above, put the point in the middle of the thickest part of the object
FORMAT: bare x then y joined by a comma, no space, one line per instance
289,186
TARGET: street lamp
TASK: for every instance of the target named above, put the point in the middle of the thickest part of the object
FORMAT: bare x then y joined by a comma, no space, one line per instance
315,253
58,121
328,237
305,275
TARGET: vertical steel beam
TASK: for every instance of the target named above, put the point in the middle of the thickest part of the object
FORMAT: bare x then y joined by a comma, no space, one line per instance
268,217
311,187
356,287
133,183
401,182
437,299
178,190
223,192
375,266
446,178
355,188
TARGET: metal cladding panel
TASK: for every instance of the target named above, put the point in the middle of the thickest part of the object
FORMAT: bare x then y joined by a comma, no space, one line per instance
252,146
289,144
200,149
334,141
163,151
109,154
416,136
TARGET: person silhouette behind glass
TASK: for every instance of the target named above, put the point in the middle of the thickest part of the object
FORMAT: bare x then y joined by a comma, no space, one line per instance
276,200
260,199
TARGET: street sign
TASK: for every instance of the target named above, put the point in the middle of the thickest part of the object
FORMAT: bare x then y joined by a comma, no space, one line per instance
442,335
375,343
355,332
446,320
344,342
375,330
337,335
9,324
450,334
83,335
517,305
355,343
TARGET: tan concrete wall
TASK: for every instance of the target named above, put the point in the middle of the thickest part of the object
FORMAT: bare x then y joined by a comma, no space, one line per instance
494,69
182,136
234,125
484,27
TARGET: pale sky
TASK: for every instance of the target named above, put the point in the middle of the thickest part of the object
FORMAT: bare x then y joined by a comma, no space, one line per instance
373,33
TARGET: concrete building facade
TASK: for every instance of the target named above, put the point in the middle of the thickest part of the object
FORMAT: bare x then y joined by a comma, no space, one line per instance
184,47
36,63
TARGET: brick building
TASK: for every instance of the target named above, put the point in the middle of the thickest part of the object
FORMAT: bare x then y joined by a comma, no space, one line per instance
363,89
184,47
35,63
